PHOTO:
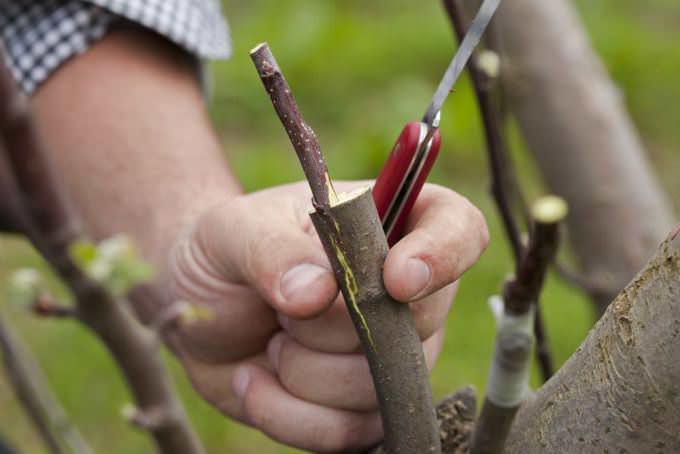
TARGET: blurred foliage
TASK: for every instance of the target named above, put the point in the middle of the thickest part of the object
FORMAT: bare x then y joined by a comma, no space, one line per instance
360,70
114,263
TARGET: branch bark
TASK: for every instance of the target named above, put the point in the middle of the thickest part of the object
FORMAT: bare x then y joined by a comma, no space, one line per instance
574,121
30,387
301,136
456,419
52,226
502,182
508,383
353,238
504,187
355,243
10,210
620,391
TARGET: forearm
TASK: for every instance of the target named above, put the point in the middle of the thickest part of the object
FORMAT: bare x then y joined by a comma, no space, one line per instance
131,140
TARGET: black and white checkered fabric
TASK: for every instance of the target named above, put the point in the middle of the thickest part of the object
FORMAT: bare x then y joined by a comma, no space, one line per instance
39,35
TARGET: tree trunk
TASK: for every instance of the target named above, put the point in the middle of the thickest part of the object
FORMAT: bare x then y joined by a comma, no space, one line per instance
574,122
620,392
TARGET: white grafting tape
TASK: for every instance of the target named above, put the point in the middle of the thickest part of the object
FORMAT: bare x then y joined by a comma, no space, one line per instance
508,387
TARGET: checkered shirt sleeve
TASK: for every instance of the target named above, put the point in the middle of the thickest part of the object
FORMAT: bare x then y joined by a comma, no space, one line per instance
39,35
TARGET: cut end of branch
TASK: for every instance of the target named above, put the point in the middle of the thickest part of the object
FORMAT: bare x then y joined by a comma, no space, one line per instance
257,48
344,197
550,209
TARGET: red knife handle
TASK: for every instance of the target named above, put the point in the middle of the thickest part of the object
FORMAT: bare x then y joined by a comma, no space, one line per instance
395,168
391,185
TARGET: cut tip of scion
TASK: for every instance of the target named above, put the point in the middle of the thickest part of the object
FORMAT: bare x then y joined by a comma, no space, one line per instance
549,209
489,62
255,49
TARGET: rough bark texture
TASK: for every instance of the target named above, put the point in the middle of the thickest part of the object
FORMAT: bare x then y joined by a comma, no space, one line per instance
492,428
574,121
353,238
456,418
620,392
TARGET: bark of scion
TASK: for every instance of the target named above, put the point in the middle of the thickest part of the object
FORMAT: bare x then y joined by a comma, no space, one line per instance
353,238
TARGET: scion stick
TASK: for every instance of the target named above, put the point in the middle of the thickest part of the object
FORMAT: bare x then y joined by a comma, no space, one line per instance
353,238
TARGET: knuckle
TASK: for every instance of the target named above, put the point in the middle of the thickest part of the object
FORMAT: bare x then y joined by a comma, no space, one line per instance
261,252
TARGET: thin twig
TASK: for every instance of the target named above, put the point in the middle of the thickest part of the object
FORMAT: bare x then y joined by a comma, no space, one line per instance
495,140
151,419
32,390
46,306
503,182
52,226
509,376
353,238
524,289
302,137
543,352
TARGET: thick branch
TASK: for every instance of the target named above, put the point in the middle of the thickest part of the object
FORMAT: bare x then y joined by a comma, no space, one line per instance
302,137
355,243
575,123
32,390
456,418
52,227
353,238
620,391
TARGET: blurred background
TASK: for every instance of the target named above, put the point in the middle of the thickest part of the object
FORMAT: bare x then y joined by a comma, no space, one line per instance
360,70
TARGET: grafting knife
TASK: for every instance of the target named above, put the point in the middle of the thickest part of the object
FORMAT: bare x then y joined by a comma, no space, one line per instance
417,147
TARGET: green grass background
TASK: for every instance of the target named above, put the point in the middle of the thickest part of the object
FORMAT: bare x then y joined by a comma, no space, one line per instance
360,70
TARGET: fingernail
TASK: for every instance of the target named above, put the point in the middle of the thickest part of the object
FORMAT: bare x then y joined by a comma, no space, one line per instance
296,281
418,277
240,381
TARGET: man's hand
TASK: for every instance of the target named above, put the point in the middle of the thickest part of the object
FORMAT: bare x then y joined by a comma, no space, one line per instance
281,353
137,154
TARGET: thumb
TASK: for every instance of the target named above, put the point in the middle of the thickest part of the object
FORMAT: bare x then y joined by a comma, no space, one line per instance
264,244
